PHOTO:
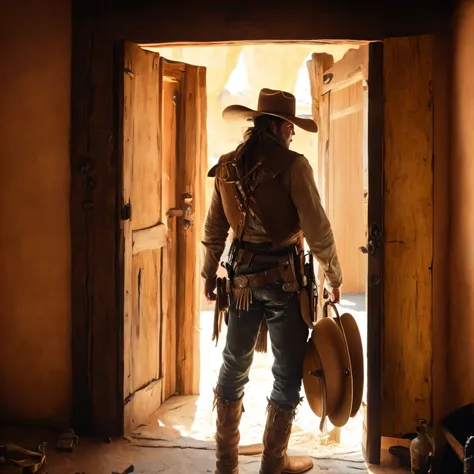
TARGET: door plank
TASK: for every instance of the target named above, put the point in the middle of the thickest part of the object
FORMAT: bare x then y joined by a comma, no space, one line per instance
144,235
127,171
346,185
191,172
169,122
146,318
153,238
145,144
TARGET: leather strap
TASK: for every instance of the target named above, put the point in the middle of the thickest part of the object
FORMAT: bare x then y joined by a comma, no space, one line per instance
273,275
255,280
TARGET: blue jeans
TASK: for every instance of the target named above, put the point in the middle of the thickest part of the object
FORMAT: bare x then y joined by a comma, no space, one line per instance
288,336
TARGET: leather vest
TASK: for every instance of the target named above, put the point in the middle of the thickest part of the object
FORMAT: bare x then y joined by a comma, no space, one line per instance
271,202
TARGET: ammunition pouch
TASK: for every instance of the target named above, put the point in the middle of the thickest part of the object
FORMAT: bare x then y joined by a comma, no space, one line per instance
309,291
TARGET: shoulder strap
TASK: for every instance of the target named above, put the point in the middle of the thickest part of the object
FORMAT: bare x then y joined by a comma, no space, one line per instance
245,195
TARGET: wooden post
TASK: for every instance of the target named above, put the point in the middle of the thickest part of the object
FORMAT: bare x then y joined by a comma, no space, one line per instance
318,65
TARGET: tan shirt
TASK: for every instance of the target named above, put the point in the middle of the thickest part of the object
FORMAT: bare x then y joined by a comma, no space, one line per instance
299,181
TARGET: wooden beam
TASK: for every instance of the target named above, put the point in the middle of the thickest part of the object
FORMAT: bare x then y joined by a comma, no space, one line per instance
267,21
153,238
95,202
375,308
408,234
241,43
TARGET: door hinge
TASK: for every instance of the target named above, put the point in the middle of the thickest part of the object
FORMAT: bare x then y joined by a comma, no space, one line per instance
126,212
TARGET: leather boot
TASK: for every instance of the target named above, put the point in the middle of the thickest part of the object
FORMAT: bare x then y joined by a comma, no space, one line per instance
227,434
275,443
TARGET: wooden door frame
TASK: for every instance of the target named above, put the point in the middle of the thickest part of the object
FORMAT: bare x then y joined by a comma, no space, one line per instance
83,405
375,307
95,170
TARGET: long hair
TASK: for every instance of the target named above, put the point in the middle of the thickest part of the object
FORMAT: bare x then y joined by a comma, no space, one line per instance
262,126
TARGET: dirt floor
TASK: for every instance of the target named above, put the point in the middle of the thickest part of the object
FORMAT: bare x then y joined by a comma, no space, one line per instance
99,457
179,438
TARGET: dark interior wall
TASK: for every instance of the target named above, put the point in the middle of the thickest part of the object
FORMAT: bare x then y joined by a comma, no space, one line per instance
35,314
461,251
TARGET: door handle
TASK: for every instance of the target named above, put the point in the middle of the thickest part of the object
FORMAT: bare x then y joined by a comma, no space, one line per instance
185,212
176,212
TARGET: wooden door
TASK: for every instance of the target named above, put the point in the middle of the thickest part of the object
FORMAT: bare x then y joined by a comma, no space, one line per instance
185,87
349,116
163,159
399,233
344,92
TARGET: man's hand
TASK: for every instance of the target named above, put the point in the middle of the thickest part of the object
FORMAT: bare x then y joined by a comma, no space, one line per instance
335,296
209,288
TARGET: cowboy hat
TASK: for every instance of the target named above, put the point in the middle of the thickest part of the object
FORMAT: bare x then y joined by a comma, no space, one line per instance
356,354
272,102
327,371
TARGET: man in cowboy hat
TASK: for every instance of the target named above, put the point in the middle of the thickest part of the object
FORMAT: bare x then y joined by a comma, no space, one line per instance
267,195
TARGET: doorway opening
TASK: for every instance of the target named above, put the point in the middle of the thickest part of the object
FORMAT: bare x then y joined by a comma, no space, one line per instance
339,157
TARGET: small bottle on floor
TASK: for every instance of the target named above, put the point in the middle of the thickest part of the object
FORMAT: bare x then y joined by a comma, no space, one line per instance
420,449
